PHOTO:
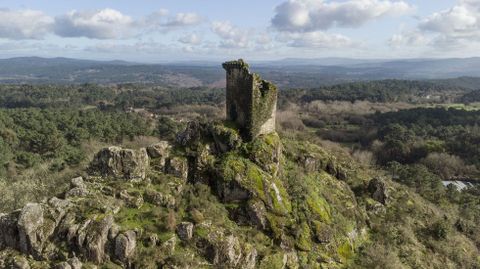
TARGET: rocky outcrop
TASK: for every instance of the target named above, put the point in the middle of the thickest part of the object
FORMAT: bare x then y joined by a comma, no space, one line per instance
121,163
159,151
177,166
30,229
185,231
257,214
166,219
229,253
125,245
225,139
36,229
378,190
93,237
78,188
9,230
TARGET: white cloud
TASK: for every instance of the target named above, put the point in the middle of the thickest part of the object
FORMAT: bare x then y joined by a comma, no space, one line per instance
462,20
101,24
450,29
191,39
184,19
232,36
315,15
318,39
409,38
158,21
24,24
264,39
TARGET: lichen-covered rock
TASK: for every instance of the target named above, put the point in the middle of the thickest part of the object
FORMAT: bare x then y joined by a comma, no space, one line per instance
177,166
190,135
277,260
243,180
116,162
125,244
229,253
9,230
185,231
226,139
63,265
20,262
57,209
92,238
266,152
160,151
133,200
76,192
323,232
75,263
378,190
77,183
280,260
257,214
31,231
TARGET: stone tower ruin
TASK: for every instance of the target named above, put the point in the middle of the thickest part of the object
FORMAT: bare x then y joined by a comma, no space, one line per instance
251,101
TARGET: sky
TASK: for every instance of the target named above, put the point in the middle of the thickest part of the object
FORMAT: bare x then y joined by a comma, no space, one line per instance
197,30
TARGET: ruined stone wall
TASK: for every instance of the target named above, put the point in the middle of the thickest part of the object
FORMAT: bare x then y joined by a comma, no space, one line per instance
251,101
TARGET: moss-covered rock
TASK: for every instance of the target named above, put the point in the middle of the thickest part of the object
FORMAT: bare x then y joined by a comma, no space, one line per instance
244,177
266,152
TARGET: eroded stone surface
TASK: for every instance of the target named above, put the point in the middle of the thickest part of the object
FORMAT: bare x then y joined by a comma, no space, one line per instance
121,163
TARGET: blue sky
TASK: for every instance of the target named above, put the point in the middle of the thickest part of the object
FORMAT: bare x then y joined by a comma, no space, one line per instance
161,31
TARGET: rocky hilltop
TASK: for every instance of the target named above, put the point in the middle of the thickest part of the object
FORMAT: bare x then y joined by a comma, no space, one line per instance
217,198
209,200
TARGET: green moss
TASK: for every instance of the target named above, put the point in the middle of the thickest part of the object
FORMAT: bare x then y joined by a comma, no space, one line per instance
263,103
274,261
278,225
345,252
142,218
228,136
266,151
304,238
319,207
201,231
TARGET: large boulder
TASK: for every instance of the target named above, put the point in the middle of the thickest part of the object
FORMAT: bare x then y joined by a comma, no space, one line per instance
160,151
185,231
257,214
122,163
125,244
20,262
78,188
92,237
30,229
230,253
266,152
177,166
378,190
9,230
75,263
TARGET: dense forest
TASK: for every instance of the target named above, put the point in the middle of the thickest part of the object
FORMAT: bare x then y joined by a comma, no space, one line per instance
154,97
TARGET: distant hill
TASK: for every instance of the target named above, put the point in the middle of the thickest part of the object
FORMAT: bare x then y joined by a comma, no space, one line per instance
287,73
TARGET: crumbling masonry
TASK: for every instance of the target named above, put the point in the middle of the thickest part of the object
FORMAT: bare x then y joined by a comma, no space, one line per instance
251,101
